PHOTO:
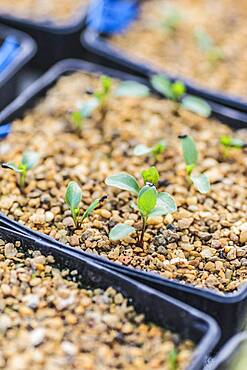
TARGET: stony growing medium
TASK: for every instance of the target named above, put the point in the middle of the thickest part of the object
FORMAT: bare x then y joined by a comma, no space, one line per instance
58,11
48,322
204,243
178,51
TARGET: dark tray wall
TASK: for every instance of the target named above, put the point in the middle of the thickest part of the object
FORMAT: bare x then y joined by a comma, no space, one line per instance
163,310
230,309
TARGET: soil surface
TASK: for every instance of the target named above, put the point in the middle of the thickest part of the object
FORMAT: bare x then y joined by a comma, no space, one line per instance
222,67
59,11
204,243
49,322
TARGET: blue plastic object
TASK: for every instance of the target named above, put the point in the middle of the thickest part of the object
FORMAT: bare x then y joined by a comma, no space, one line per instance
5,130
8,51
112,16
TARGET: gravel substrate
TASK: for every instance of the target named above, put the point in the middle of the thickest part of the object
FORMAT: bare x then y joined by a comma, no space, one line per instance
203,243
58,11
178,51
49,322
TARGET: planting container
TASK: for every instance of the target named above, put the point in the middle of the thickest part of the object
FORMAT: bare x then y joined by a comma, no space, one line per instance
159,308
95,40
224,359
229,309
16,51
55,41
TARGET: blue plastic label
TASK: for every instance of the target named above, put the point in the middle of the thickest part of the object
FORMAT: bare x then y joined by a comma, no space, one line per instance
5,129
112,16
8,51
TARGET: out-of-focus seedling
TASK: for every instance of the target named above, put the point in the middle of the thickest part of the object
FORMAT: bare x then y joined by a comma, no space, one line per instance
132,89
150,202
207,45
28,161
200,181
231,142
176,91
78,116
154,151
171,21
73,197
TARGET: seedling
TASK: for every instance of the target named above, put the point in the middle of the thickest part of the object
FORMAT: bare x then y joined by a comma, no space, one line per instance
153,151
172,21
28,161
207,45
73,197
150,202
103,94
132,89
172,359
200,181
78,117
231,142
176,91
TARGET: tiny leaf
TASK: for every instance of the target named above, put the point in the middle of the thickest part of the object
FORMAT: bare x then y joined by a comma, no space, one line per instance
162,85
73,195
178,89
231,142
166,202
189,150
76,118
132,89
120,231
123,181
91,208
159,148
147,199
12,166
196,105
151,175
30,159
201,183
141,150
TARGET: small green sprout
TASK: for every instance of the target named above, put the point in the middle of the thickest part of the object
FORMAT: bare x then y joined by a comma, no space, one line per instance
103,94
231,142
172,21
150,202
172,359
73,197
154,151
176,91
28,161
132,89
206,44
200,181
78,117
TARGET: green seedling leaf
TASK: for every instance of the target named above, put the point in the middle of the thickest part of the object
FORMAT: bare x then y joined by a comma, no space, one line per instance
162,85
196,105
231,142
178,89
141,149
204,41
189,152
92,207
201,183
106,84
151,175
30,159
77,118
12,166
120,231
123,181
172,21
166,202
132,89
147,199
159,148
172,359
73,195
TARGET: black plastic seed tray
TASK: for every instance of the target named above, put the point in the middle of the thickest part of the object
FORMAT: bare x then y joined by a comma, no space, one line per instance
158,308
55,41
102,52
224,359
230,310
12,70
